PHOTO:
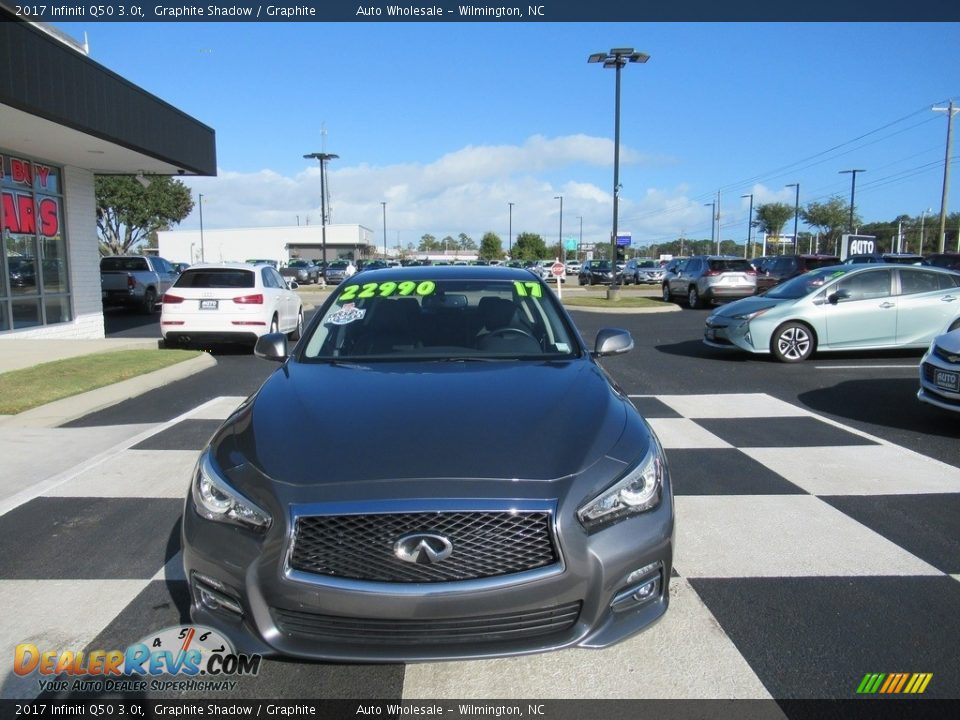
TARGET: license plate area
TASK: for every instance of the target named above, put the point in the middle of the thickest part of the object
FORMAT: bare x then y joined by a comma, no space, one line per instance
209,304
947,380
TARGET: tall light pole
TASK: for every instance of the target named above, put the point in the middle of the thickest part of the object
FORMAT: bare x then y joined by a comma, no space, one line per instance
384,229
950,110
796,216
617,58
746,250
323,157
853,190
510,236
580,244
713,210
560,247
923,216
202,255
718,222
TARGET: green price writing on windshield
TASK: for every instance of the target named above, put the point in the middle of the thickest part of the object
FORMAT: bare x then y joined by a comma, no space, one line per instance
386,289
524,289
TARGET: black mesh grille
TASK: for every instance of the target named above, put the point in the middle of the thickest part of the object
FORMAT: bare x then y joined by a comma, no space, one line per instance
361,547
488,628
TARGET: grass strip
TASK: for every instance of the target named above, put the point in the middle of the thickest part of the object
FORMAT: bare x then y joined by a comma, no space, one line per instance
38,385
622,302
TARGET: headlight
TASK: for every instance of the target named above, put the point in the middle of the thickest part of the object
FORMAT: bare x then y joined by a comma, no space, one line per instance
751,315
636,492
216,500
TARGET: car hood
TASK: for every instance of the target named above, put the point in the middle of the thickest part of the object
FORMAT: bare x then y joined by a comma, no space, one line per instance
949,341
317,424
748,305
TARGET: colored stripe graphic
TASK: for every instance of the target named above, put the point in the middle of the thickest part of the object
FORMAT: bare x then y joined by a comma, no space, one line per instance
894,683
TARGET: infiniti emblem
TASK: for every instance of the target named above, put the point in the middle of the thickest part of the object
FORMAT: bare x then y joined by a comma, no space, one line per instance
423,548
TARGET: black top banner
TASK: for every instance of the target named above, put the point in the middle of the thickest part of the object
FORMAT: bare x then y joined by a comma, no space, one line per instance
505,11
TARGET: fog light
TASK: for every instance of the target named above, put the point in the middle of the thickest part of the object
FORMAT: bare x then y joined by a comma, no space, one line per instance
643,585
214,595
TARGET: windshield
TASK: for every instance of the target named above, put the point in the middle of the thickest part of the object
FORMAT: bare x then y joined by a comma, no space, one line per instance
216,278
406,319
803,285
601,265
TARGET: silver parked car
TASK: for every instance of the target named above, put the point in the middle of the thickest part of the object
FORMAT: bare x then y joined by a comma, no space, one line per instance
480,526
843,307
704,279
940,371
640,270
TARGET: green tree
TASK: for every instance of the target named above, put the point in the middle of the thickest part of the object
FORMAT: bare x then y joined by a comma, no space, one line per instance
128,212
448,243
830,219
465,242
771,217
529,246
491,248
428,243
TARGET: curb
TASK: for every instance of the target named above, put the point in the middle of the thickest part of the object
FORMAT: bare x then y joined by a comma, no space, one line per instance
623,311
66,409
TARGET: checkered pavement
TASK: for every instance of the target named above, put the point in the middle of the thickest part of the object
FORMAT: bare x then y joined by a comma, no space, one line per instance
807,554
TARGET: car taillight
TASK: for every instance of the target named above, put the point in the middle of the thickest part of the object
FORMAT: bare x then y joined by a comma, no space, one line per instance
131,282
712,273
751,271
249,299
169,299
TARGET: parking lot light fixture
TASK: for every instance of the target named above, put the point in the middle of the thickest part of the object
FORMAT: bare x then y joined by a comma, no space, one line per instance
796,215
560,237
746,250
617,58
323,157
853,190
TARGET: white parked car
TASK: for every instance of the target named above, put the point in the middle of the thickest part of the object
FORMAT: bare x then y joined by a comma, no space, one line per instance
543,270
229,303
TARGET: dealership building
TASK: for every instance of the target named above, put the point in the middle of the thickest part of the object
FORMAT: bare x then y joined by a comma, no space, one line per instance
280,244
64,119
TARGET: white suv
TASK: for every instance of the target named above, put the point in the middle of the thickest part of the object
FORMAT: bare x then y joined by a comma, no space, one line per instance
229,303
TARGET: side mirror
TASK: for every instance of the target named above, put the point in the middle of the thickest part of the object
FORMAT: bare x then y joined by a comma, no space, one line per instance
835,297
612,341
293,284
272,346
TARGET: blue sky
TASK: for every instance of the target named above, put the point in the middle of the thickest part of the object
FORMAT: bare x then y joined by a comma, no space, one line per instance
449,122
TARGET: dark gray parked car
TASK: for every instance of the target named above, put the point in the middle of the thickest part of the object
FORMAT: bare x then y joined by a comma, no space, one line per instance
484,489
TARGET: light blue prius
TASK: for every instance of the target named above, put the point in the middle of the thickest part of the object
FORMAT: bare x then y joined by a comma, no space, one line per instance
843,307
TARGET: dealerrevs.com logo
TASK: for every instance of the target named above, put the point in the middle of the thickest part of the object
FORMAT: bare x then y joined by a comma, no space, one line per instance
200,657
894,683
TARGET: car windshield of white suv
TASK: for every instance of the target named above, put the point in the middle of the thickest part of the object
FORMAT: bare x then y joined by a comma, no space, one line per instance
443,319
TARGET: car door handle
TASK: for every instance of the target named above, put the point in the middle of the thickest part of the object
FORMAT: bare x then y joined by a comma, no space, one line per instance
948,298
887,305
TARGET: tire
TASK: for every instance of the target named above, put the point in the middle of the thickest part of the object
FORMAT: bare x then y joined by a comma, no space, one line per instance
666,293
149,301
792,342
298,330
693,298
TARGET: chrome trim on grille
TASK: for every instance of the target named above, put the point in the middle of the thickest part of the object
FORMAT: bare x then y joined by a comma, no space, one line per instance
396,507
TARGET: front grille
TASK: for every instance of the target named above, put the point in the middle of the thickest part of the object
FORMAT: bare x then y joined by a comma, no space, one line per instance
929,371
361,547
484,628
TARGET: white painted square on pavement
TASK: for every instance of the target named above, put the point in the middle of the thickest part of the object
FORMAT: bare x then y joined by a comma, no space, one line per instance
134,473
859,470
219,408
731,405
722,536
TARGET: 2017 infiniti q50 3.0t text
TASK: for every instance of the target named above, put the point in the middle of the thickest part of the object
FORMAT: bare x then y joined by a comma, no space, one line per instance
456,514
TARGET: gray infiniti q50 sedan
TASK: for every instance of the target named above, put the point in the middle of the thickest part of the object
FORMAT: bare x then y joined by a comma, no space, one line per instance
485,489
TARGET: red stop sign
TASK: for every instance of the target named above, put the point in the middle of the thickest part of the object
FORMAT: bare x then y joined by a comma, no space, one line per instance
557,269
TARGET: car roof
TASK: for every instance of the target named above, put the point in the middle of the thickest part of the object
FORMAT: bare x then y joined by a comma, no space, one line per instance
445,272
226,265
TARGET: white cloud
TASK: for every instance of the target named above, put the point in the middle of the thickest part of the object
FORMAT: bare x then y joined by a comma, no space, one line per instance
467,190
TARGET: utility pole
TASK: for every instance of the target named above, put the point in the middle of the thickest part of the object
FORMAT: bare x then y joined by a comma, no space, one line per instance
718,222
950,110
746,249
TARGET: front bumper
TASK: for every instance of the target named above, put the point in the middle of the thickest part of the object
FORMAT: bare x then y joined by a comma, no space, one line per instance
726,333
941,394
586,599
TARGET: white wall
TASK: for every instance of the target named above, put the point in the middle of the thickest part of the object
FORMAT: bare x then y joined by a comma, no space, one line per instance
239,244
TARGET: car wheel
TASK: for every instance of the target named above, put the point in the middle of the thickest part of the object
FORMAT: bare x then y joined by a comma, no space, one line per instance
693,297
666,293
149,301
792,342
298,330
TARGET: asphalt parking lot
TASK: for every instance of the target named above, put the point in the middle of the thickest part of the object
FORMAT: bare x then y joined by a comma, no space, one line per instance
816,523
